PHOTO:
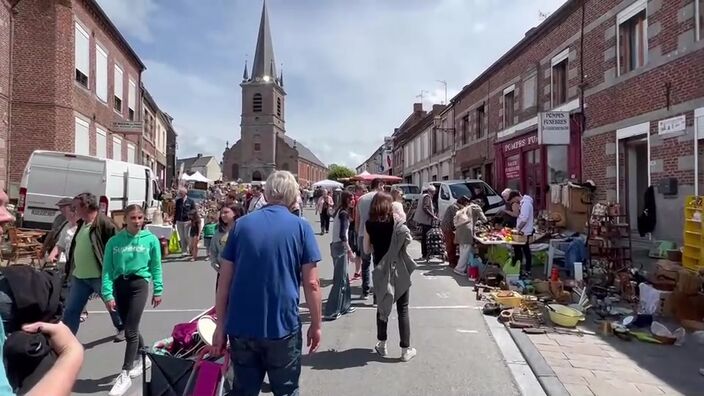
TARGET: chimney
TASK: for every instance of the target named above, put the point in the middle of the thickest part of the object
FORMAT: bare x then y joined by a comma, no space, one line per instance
438,108
417,107
199,155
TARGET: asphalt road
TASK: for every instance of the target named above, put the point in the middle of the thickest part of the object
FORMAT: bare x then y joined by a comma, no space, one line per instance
457,354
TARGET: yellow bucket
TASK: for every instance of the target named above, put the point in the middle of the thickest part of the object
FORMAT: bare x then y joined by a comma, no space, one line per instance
507,298
564,316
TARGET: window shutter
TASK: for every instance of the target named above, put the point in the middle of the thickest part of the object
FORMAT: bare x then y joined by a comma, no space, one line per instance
81,137
118,82
131,96
101,143
130,153
116,148
82,45
101,73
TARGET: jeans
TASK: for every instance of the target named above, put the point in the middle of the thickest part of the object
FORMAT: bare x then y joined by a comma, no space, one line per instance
131,295
79,292
366,267
424,228
279,359
184,234
450,248
340,298
404,325
324,222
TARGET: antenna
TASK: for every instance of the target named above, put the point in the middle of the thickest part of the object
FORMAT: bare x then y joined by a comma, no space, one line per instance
444,83
422,95
543,15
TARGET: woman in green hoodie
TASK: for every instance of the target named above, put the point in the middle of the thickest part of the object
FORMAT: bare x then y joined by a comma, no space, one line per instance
132,260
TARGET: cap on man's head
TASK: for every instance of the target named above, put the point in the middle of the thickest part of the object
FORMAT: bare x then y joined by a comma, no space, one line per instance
64,202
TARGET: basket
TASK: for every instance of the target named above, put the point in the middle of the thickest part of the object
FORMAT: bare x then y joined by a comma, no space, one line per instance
519,238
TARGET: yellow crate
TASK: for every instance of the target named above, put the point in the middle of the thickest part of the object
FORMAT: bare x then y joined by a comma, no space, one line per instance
693,233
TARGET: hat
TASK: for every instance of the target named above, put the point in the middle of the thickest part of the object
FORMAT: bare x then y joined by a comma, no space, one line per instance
64,202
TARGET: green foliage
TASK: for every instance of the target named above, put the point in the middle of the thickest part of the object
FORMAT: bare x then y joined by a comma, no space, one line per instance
337,172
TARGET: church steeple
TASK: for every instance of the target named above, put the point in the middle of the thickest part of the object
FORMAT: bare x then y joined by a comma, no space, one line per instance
264,67
245,75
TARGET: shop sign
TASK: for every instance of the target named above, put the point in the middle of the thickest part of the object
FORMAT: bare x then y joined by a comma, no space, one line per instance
127,126
672,125
520,143
513,167
554,127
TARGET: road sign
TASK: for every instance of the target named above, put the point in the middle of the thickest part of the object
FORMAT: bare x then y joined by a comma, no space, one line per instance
554,127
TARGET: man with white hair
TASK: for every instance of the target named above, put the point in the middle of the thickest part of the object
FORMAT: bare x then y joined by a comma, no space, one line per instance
182,222
273,252
425,216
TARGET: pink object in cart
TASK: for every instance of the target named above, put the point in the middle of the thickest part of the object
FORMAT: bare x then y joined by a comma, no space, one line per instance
208,379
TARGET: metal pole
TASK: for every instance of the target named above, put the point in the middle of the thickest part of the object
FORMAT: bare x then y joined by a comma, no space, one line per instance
444,83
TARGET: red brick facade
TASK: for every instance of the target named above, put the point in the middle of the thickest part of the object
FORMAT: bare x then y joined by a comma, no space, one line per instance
46,96
5,85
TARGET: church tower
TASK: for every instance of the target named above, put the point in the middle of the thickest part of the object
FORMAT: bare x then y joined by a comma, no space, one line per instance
263,98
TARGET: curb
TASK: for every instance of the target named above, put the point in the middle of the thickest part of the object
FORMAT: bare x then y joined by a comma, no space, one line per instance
521,370
547,378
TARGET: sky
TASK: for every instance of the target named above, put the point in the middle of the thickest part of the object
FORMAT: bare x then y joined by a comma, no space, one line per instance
352,68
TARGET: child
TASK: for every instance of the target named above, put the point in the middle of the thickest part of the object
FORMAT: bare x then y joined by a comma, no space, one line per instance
208,232
195,234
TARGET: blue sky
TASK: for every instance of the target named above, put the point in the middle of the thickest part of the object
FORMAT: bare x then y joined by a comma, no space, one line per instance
352,68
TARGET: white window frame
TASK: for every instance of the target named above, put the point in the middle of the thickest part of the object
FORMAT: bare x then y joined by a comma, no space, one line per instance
118,86
116,141
510,89
625,133
132,96
81,122
131,152
84,68
623,16
101,134
556,60
101,74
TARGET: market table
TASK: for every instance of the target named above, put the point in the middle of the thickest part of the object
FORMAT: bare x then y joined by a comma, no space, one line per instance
163,232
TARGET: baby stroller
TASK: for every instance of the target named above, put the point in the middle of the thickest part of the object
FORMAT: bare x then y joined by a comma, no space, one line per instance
179,367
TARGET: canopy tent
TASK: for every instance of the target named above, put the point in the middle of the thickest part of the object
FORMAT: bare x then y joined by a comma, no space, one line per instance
328,184
366,177
196,177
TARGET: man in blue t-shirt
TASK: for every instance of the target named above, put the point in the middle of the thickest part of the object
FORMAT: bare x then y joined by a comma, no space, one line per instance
267,257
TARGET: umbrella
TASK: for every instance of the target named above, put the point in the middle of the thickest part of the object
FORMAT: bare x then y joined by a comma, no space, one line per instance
328,184
368,177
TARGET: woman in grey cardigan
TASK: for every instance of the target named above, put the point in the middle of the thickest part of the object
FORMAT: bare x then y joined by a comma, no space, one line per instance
340,299
228,215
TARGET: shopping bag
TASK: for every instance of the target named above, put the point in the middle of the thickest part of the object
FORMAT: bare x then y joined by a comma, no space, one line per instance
174,243
208,378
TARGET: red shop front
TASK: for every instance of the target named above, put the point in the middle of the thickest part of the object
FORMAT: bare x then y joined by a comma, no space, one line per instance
523,164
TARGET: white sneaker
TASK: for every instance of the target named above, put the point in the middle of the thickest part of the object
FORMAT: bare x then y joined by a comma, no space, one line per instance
380,348
137,370
122,384
408,354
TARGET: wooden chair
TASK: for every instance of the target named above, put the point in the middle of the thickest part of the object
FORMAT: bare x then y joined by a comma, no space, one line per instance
22,246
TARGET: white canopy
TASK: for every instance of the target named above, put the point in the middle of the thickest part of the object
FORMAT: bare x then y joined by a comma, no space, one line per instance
196,177
328,184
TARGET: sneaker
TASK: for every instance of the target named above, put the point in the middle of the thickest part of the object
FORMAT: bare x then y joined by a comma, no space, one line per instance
330,318
380,348
119,336
137,370
122,384
407,354
349,310
83,317
459,273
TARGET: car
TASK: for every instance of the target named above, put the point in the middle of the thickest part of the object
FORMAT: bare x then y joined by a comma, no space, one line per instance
411,192
449,190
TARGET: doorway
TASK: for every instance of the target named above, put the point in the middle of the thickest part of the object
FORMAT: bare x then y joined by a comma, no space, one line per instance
635,177
535,184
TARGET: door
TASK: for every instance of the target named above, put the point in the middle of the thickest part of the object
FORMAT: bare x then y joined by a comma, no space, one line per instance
534,177
636,177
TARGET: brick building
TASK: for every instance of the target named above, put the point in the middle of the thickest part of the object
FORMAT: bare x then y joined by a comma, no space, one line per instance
75,79
171,146
6,22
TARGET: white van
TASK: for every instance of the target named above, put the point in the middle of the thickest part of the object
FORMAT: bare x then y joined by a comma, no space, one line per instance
449,190
50,176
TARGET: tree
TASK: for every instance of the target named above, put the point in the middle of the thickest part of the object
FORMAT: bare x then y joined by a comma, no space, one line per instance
337,172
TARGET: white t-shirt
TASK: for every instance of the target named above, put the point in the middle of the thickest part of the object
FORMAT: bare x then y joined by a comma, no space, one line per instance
64,241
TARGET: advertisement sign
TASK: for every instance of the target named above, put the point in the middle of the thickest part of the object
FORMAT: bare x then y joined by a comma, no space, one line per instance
513,167
520,143
554,127
672,125
127,127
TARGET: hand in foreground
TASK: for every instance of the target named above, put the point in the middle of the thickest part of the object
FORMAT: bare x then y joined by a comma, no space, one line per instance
219,343
156,300
60,336
111,305
314,335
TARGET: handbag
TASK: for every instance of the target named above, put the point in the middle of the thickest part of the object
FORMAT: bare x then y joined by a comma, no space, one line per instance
174,243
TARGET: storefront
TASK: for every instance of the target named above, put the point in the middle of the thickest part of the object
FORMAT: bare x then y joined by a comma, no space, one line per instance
524,164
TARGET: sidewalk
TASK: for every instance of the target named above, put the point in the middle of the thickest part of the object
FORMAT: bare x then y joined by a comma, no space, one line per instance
598,365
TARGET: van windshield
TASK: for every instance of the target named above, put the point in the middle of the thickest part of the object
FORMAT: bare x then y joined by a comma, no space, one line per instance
471,189
409,189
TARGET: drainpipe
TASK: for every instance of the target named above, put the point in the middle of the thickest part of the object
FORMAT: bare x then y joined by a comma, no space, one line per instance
12,13
582,118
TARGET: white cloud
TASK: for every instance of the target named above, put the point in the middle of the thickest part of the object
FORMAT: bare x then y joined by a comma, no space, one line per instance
133,17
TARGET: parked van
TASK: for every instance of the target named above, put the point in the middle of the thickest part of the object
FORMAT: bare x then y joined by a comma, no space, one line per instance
50,176
449,190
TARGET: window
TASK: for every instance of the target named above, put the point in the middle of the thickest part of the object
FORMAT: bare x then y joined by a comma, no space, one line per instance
101,143
257,146
559,83
131,99
481,115
278,107
632,38
699,5
116,148
131,153
101,73
465,129
81,143
118,89
508,108
557,164
81,56
257,103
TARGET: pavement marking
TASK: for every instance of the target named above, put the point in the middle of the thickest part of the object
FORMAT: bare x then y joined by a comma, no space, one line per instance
467,331
443,295
158,311
422,307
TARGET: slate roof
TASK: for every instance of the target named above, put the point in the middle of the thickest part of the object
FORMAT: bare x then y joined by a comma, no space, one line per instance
192,162
264,63
303,151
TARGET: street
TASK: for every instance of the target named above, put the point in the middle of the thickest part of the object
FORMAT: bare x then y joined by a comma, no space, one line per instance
457,354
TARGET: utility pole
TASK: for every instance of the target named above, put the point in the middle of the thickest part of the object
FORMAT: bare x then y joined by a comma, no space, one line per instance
444,83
